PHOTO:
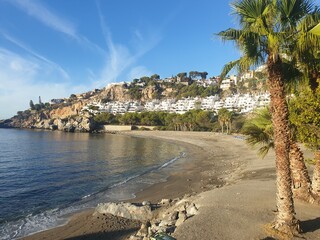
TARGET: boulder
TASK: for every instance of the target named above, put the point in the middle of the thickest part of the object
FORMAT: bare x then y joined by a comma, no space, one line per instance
165,201
191,210
69,128
182,218
126,210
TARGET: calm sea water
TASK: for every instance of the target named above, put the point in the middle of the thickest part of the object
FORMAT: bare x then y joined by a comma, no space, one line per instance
46,176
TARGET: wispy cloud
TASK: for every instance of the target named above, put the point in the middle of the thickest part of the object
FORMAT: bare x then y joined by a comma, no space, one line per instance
58,23
44,15
52,64
121,57
21,81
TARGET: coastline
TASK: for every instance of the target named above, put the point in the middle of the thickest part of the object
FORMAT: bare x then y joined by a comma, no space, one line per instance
233,187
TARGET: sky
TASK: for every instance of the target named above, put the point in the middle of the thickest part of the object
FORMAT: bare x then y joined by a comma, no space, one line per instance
55,48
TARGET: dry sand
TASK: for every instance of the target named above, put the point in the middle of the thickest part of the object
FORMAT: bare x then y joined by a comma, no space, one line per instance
234,188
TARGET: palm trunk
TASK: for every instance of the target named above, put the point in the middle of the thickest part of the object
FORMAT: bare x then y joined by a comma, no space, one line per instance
285,220
316,175
222,127
301,182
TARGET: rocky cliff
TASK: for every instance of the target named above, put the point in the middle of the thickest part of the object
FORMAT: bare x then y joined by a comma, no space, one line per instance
67,116
64,118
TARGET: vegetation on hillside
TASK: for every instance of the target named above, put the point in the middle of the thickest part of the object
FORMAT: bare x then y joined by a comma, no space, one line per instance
194,120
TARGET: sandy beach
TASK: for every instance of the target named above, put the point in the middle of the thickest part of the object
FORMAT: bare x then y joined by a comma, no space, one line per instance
233,187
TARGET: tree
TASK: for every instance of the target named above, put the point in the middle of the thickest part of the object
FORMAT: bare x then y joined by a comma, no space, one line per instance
31,104
305,116
155,77
268,29
224,118
259,132
182,76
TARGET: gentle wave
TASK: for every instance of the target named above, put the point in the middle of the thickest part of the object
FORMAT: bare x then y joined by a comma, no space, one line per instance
57,217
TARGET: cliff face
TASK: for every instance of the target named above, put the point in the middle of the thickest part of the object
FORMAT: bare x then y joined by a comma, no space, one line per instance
68,111
148,93
64,119
68,116
114,93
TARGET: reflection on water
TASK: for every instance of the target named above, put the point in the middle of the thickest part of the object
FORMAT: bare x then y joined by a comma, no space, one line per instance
41,170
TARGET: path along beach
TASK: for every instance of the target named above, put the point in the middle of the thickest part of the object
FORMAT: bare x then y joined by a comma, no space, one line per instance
234,189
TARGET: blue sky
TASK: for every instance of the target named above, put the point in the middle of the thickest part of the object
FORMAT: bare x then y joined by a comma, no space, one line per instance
53,48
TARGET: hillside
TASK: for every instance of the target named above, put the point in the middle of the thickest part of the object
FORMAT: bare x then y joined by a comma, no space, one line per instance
66,115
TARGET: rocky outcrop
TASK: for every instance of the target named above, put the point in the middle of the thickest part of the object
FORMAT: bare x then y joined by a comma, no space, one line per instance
159,220
67,111
64,118
115,93
126,210
148,93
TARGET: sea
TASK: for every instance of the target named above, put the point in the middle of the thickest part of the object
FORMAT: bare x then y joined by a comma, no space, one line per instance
46,176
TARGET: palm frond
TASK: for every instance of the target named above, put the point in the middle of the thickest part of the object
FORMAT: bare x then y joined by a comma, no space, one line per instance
316,30
249,11
230,34
292,12
259,131
228,67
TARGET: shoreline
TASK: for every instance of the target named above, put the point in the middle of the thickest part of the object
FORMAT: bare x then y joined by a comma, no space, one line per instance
176,184
233,187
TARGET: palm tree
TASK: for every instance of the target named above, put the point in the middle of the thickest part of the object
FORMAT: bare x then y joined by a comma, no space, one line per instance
306,116
224,118
268,29
259,132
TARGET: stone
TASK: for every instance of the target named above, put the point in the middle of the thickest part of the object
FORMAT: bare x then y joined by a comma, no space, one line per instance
126,210
191,210
133,237
146,203
165,201
69,128
172,216
53,127
143,231
182,218
165,223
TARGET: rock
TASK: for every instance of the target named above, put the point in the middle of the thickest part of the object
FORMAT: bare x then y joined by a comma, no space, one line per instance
126,210
191,210
166,223
60,124
69,128
146,203
182,218
165,201
171,216
143,232
86,124
133,237
53,127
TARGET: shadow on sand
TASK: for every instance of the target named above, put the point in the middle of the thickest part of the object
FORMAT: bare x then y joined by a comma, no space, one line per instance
113,235
310,225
